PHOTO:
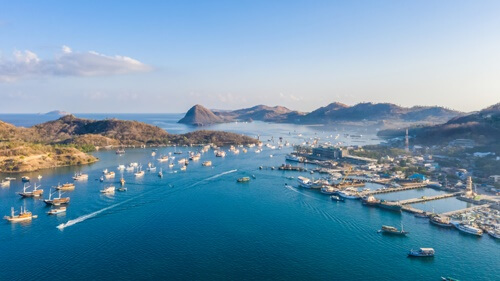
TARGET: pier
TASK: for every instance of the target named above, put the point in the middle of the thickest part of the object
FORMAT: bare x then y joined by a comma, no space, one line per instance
379,181
396,189
464,210
428,198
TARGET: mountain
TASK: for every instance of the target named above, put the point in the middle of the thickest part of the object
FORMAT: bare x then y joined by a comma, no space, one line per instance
385,114
482,126
199,115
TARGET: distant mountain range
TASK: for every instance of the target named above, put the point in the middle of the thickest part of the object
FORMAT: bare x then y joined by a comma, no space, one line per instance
482,126
333,113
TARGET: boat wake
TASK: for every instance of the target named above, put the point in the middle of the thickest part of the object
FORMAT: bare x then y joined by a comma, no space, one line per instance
295,190
93,214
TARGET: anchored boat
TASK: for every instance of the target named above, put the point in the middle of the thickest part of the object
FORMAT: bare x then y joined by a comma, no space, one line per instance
66,187
24,215
35,193
392,230
108,190
243,179
56,211
422,252
56,201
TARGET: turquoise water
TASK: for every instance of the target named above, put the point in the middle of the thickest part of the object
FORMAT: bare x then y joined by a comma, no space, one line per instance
202,225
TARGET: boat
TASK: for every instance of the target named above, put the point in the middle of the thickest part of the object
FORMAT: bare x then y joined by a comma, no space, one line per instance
35,193
293,158
348,194
392,230
220,153
207,163
163,158
65,187
320,183
449,279
121,167
109,175
56,201
441,221
120,151
422,252
151,168
5,183
25,179
108,190
195,157
160,173
39,177
56,211
183,168
329,190
469,229
24,215
423,215
370,201
182,161
304,182
122,189
80,177
494,233
171,165
139,172
337,198
243,179
390,205
101,178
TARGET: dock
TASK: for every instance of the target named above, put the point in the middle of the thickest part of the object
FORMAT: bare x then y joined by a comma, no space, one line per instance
396,189
379,181
428,198
464,210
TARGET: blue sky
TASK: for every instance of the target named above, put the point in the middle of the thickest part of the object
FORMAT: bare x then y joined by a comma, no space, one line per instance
165,56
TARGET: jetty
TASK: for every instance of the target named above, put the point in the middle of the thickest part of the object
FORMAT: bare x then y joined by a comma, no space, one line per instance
428,198
464,210
396,189
379,181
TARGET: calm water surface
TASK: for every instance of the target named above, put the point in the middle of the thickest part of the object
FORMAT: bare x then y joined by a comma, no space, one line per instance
202,225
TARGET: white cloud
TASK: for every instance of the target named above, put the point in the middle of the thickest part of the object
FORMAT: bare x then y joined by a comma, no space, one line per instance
26,64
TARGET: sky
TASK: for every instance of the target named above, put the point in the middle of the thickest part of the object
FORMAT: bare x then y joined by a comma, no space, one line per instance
165,56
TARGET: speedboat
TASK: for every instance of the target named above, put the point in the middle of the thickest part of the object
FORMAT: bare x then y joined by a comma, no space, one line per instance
122,189
57,211
422,252
337,198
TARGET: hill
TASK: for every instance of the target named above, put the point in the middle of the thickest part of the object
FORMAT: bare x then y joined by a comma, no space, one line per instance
259,112
198,115
482,127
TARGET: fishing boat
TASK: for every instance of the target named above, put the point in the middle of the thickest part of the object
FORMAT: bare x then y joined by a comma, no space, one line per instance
163,158
160,173
108,190
337,198
441,221
109,175
24,215
65,187
35,193
348,194
304,182
56,211
25,179
80,177
243,179
120,151
422,252
56,201
392,230
370,200
390,205
469,229
207,163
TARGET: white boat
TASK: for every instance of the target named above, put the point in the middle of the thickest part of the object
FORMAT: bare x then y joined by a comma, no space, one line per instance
329,190
171,165
163,158
293,158
348,194
56,211
304,182
182,161
195,157
494,233
207,163
23,216
108,190
160,173
39,177
183,168
5,183
80,177
139,174
152,169
121,167
220,153
469,229
109,175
